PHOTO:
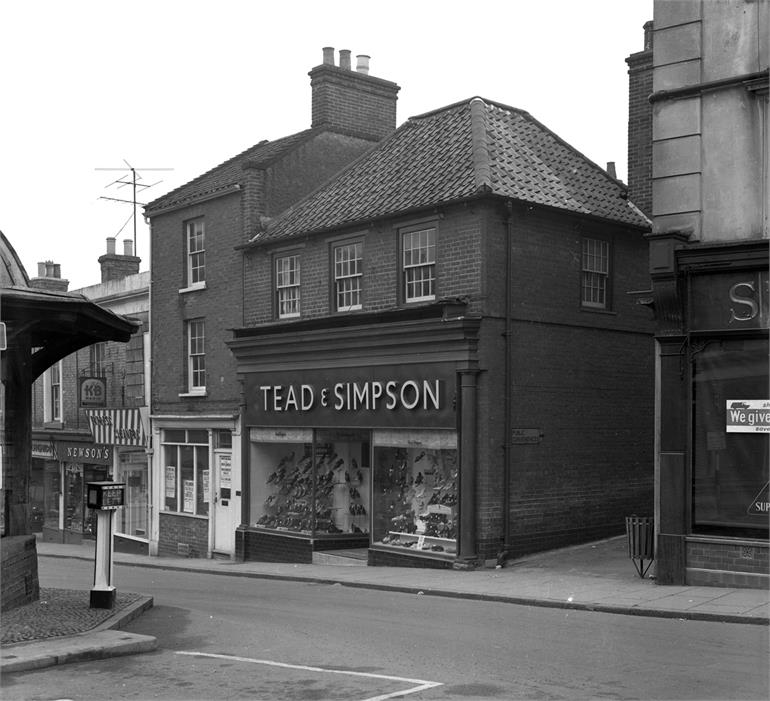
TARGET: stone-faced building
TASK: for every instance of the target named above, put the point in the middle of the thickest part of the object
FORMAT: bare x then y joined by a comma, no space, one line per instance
198,296
708,257
438,353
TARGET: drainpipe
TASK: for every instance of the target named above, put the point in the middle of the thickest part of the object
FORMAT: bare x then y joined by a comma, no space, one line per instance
508,377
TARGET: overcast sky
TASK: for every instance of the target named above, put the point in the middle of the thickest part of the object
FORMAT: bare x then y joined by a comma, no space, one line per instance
186,85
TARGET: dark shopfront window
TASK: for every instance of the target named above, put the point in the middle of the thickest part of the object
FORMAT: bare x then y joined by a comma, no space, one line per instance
730,469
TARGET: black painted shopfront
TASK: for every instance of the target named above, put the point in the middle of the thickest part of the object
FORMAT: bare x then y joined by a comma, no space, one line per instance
714,414
354,439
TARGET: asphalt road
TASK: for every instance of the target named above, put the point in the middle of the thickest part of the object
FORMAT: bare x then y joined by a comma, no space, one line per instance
233,637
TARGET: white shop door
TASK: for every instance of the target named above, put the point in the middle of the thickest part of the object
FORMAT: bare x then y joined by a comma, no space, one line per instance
224,504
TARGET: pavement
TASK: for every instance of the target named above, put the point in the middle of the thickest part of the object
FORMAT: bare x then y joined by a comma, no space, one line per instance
596,576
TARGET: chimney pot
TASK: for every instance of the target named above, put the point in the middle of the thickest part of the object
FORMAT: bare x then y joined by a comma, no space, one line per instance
362,63
345,59
611,169
111,245
328,55
41,269
128,247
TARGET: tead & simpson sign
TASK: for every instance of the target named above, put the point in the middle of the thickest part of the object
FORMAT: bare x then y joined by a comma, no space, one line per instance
383,396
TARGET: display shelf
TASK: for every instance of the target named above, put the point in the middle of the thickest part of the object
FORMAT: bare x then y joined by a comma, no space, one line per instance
420,543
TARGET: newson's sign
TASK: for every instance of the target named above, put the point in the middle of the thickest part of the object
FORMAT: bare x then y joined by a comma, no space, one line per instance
391,397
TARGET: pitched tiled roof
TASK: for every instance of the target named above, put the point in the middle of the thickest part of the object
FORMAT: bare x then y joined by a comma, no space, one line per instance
460,151
229,173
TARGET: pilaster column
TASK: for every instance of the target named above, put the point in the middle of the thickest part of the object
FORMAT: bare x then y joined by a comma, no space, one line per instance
467,555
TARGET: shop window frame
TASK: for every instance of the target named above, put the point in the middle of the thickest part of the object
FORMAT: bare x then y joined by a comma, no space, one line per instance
167,440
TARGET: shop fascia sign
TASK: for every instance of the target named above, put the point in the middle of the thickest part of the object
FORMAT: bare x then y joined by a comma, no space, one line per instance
385,396
748,416
730,301
68,451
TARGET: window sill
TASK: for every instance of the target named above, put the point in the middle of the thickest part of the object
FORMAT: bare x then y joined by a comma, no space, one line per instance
598,310
199,393
183,513
193,288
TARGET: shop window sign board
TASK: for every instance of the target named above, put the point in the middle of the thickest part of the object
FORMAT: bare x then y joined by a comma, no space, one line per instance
526,436
748,416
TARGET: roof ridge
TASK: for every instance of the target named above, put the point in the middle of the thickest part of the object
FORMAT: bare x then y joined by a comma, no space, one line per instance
482,170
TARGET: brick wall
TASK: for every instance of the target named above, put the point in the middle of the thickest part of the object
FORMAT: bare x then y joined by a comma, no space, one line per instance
727,564
19,571
640,125
182,536
584,378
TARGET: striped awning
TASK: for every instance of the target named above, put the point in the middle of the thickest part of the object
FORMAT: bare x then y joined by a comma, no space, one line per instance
117,426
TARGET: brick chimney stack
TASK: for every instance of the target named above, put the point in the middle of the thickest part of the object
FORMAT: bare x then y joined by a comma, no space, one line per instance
49,278
115,266
352,100
640,124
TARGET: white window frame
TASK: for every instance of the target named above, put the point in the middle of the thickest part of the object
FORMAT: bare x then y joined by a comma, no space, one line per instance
195,246
197,449
52,393
196,356
287,286
418,261
348,275
99,359
595,273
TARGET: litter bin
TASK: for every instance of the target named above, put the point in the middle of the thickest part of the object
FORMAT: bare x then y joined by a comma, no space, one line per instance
640,531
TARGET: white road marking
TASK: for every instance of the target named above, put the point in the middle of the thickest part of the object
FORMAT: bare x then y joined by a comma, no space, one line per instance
422,683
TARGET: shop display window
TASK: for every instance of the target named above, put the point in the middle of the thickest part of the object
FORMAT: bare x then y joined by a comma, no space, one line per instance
309,484
73,497
132,471
52,494
416,491
730,468
186,472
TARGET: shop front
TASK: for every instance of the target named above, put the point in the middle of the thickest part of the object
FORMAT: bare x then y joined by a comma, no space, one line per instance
124,430
357,452
196,490
714,421
61,468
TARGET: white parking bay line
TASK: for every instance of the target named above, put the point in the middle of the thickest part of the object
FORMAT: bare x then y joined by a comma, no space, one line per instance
422,684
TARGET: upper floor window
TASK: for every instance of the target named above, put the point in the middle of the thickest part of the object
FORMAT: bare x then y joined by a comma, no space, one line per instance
99,359
419,261
348,272
196,253
196,356
595,274
52,394
287,281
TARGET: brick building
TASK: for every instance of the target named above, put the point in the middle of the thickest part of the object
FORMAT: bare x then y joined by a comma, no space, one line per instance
89,413
707,167
198,297
439,356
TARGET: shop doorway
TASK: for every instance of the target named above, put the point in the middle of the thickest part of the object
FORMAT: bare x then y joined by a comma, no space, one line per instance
224,506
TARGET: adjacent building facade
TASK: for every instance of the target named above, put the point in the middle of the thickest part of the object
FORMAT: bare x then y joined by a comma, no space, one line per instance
708,252
89,413
439,358
199,296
